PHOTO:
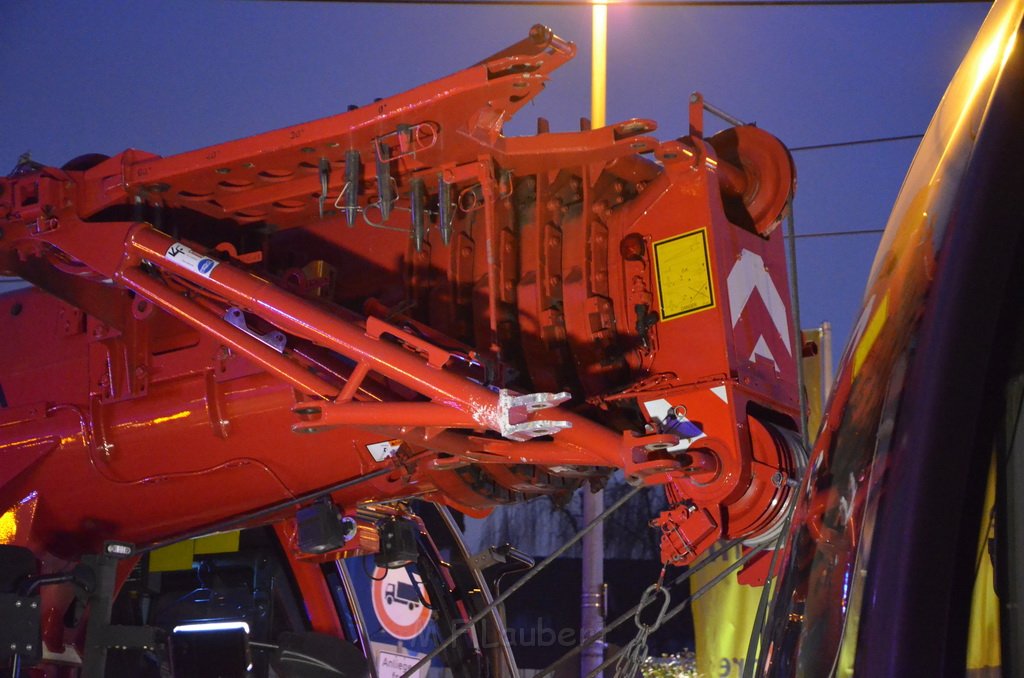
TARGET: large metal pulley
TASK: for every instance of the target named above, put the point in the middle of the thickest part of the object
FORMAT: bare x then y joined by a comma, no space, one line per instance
757,177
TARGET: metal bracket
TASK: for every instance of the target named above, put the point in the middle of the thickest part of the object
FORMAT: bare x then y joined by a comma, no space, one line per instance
514,411
687,531
275,340
505,554
100,634
20,618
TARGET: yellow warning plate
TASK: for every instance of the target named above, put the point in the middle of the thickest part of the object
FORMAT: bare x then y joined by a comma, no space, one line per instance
684,274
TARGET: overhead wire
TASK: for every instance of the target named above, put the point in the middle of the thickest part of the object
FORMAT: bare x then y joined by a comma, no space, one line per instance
846,144
836,234
652,3
856,142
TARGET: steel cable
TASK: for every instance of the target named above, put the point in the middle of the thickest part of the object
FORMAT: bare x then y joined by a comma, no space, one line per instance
718,578
618,621
519,584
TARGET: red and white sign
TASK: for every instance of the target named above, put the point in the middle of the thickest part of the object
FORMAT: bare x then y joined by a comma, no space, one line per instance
748,275
398,602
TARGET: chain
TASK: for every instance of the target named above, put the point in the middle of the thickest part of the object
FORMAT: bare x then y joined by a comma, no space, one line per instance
696,595
635,652
469,624
624,617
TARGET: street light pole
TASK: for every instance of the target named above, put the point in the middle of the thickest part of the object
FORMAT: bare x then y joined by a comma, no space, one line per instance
592,576
599,64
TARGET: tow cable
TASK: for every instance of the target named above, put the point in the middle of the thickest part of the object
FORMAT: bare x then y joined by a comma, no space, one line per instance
471,623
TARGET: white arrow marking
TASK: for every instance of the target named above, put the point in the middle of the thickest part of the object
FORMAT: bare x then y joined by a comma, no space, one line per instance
381,451
761,349
721,393
747,275
660,410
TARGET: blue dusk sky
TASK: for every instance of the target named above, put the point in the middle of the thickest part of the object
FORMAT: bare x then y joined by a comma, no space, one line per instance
167,77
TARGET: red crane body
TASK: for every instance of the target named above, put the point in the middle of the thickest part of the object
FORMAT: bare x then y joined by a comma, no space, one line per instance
401,300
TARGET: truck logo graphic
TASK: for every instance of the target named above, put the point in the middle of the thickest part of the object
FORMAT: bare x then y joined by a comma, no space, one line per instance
402,593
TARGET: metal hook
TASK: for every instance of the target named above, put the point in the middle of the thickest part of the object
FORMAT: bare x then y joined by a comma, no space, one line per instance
416,200
345,207
352,177
325,177
412,139
384,179
445,215
505,181
374,224
476,201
